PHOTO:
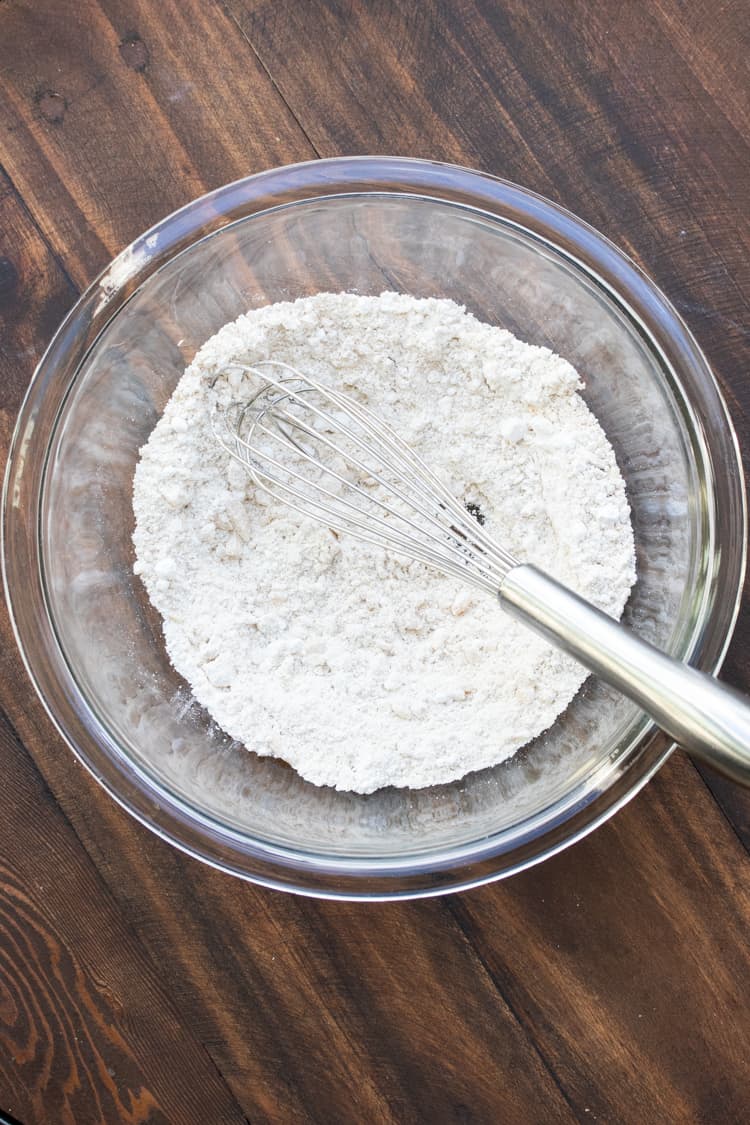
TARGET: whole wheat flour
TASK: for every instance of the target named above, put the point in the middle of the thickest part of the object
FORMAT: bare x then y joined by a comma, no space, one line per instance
359,668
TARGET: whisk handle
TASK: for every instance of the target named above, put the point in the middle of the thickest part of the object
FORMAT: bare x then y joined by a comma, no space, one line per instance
707,718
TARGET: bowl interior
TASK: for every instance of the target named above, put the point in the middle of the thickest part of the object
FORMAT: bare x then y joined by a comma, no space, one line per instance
110,635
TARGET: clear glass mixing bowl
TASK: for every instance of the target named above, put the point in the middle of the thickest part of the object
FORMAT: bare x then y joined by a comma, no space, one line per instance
93,645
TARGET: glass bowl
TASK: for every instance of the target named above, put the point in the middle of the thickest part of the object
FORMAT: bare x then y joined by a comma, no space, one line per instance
93,645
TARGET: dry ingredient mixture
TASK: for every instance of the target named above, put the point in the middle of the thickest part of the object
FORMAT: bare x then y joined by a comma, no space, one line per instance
359,668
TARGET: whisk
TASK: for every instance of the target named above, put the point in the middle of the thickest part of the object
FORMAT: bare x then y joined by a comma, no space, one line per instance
321,452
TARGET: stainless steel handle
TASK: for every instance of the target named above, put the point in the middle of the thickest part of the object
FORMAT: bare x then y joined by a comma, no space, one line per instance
707,718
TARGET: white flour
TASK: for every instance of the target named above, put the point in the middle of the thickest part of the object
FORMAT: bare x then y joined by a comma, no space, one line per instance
359,668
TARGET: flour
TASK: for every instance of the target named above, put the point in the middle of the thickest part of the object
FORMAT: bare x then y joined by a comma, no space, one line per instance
359,668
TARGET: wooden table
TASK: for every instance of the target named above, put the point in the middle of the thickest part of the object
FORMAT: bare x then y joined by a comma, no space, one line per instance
136,985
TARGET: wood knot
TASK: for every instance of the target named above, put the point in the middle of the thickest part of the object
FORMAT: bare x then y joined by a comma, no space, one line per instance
134,52
51,106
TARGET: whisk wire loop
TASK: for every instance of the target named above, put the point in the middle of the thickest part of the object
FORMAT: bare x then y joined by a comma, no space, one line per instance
401,503
390,498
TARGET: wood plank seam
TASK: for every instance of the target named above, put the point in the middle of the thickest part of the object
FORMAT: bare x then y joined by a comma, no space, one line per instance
453,908
564,939
473,65
231,16
42,236
135,937
705,778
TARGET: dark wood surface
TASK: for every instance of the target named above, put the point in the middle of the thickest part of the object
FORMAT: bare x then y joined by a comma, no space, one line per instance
613,982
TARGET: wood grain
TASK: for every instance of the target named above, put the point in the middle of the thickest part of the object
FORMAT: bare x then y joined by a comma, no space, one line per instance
636,1027
380,1014
102,142
609,984
35,294
86,1032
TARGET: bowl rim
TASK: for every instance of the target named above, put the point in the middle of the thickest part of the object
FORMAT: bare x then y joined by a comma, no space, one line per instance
361,878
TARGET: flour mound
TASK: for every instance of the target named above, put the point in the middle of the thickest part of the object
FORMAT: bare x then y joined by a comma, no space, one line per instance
359,668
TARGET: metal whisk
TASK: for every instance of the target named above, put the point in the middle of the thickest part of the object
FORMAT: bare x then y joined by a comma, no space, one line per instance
321,452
